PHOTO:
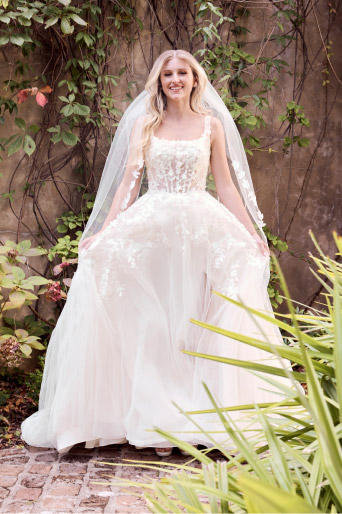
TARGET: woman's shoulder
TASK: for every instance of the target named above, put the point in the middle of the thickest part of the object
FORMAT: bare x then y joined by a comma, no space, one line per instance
216,125
140,120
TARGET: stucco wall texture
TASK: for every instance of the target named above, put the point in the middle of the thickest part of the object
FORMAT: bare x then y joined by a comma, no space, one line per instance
296,192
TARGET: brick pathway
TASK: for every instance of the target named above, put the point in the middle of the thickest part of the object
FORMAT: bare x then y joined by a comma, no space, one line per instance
40,480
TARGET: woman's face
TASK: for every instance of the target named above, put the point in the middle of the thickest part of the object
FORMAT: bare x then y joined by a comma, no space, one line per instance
177,79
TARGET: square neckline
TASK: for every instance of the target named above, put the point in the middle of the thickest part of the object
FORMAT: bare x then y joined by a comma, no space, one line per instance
206,127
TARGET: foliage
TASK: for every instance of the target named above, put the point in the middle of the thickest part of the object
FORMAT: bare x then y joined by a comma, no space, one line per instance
275,244
294,115
33,379
294,462
15,342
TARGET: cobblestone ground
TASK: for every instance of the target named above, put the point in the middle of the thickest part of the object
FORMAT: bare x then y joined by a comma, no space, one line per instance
41,480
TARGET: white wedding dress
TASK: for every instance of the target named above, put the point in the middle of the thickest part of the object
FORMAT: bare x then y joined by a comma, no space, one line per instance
114,364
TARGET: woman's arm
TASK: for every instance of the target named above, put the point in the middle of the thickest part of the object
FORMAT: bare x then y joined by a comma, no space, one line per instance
129,187
226,190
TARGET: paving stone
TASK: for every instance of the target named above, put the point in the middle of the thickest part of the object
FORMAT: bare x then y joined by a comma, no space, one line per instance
14,459
56,504
8,469
71,479
76,458
141,456
12,451
40,469
71,489
28,493
95,488
98,474
7,481
19,507
33,481
64,490
129,503
72,468
94,501
3,492
109,453
47,457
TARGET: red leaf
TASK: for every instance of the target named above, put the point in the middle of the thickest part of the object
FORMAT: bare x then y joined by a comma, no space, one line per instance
23,95
41,99
45,89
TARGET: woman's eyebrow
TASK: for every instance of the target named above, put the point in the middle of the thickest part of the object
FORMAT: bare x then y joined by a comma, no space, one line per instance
179,69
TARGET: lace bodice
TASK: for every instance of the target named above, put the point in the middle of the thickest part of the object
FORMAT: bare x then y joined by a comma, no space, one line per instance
178,165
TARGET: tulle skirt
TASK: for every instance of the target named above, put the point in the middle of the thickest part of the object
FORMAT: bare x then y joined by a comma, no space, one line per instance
115,366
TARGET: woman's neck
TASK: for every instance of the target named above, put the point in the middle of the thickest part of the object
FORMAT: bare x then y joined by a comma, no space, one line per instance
178,110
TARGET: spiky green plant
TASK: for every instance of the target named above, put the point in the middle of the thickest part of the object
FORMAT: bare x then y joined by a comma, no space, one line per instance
294,464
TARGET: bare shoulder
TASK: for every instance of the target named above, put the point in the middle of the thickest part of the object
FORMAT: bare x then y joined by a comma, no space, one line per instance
140,120
216,127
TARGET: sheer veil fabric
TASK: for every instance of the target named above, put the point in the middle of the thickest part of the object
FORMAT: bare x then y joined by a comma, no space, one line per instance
128,135
115,363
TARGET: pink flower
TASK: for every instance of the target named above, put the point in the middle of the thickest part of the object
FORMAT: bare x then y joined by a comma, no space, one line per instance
54,292
10,352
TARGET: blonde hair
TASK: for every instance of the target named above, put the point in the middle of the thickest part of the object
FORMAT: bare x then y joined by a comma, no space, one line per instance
157,101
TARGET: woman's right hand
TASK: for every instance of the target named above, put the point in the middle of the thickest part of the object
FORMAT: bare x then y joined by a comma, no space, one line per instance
86,244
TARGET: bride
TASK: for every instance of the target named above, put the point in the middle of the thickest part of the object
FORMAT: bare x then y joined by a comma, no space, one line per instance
115,365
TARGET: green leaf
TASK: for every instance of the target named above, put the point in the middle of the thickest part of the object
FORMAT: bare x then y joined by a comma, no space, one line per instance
56,138
303,141
4,40
78,20
34,128
51,22
26,349
34,251
18,274
29,296
24,245
263,497
17,40
37,281
5,19
29,145
66,27
17,298
62,229
15,146
37,345
54,129
81,110
20,123
67,110
69,138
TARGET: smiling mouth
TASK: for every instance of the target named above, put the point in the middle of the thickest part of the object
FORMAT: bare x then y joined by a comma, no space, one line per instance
178,88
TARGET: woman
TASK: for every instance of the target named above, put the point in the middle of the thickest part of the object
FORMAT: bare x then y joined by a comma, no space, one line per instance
114,364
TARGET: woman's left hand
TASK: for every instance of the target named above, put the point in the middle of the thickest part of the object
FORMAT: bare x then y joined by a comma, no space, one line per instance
261,244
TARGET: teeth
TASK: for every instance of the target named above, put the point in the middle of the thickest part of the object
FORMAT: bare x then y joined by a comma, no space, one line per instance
175,88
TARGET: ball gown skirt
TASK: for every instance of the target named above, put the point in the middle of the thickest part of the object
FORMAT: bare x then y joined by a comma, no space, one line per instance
114,365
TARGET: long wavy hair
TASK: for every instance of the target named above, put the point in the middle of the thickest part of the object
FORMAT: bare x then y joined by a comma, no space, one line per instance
157,101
